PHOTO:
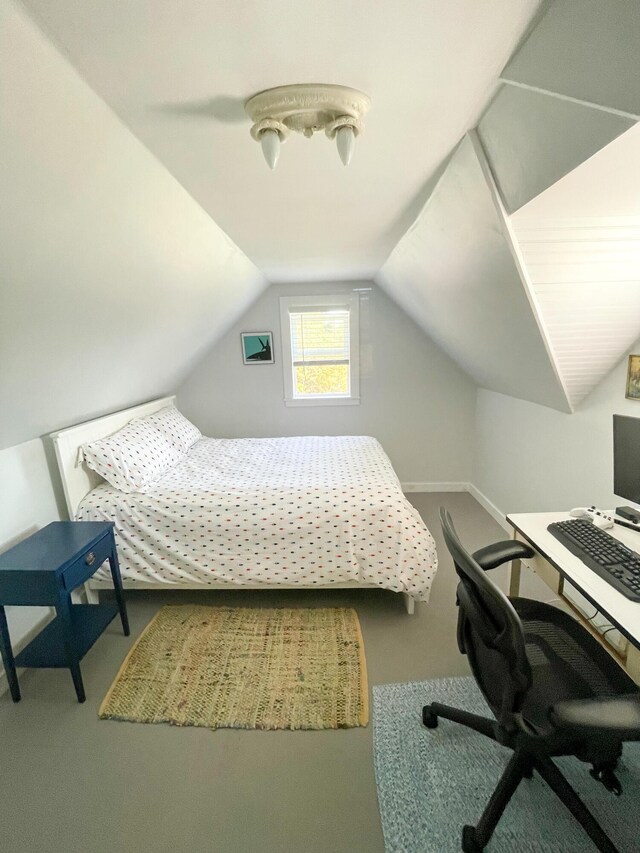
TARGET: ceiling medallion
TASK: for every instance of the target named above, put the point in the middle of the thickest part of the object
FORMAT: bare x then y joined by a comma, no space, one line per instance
307,108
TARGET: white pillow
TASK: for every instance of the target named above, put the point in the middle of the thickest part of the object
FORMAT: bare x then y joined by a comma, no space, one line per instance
133,458
174,426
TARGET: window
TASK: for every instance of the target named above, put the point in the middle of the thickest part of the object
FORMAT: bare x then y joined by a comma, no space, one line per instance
320,349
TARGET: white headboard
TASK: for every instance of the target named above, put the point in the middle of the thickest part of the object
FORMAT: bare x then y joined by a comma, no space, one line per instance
77,478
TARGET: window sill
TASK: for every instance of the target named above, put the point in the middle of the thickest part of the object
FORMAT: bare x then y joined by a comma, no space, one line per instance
324,401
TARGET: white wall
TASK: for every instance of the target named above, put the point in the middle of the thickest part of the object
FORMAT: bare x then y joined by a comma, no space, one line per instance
530,458
113,281
455,272
27,503
414,399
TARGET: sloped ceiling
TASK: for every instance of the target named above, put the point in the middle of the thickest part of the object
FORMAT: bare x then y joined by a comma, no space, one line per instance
113,281
581,245
546,331
571,88
454,272
116,278
178,73
584,49
534,139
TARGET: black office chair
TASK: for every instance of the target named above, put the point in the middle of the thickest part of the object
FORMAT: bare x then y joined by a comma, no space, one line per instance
552,689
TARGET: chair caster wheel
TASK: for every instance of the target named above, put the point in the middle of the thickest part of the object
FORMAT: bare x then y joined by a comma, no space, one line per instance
469,843
429,719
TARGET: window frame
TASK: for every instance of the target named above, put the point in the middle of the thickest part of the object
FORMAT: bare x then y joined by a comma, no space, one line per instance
336,301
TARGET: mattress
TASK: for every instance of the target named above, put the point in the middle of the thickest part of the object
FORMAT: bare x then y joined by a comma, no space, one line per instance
311,510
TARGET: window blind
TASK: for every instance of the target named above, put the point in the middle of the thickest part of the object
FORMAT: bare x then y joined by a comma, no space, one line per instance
320,337
320,352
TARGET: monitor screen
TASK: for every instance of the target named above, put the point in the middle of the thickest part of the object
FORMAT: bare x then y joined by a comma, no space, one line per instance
626,457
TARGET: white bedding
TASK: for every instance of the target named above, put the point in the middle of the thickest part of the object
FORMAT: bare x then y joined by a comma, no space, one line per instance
273,511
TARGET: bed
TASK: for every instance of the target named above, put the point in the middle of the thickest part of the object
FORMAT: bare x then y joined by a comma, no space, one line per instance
301,512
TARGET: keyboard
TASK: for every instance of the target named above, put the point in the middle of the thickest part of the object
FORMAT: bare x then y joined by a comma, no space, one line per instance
608,557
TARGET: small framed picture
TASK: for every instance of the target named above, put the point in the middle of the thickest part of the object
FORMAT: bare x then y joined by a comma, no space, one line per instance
633,378
257,347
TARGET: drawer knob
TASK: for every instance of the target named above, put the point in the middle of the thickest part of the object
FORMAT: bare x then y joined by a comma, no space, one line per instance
90,559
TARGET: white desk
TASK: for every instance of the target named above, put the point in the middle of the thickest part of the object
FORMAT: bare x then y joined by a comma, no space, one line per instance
554,564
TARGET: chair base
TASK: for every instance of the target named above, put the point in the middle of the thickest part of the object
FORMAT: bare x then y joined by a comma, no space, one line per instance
429,719
469,843
520,766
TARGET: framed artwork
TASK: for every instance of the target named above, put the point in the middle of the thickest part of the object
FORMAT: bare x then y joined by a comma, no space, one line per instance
257,347
633,378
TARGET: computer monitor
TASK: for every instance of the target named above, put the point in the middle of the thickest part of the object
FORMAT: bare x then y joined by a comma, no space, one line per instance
626,463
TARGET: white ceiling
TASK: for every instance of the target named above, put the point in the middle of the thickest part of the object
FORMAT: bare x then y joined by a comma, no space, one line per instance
177,74
580,240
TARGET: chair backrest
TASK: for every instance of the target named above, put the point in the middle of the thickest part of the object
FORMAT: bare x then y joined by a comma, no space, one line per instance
492,632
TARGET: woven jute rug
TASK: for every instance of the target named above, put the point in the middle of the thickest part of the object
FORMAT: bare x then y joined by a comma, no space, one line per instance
245,668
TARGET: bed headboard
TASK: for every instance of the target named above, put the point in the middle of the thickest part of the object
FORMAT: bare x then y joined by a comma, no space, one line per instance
77,478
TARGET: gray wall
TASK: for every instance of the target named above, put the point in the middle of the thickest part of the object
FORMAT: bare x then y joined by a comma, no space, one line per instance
532,459
113,281
414,399
585,49
533,139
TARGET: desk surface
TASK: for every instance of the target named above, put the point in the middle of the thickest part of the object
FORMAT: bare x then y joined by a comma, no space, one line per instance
622,612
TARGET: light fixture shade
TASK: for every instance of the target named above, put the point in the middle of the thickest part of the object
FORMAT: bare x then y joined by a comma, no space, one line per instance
345,140
307,108
270,142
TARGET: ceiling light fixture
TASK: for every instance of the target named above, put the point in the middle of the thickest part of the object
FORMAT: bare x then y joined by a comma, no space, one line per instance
307,108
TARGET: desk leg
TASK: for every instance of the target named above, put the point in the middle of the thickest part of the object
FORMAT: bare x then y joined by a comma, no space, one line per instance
514,578
633,663
63,609
7,657
117,585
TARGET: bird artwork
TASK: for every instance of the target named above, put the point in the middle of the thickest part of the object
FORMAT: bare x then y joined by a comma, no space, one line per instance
256,348
264,354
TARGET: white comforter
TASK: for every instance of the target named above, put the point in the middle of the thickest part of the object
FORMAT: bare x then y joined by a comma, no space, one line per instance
273,511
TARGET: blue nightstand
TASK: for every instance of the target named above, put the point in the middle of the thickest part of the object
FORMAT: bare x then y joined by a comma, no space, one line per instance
43,570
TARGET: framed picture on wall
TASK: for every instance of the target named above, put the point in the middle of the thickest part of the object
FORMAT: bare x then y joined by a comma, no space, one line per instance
257,347
633,378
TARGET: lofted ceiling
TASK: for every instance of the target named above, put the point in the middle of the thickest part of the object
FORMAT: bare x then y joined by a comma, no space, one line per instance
134,192
177,74
504,266
580,241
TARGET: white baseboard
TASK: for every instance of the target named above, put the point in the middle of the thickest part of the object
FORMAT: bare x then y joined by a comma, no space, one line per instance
474,491
491,508
435,487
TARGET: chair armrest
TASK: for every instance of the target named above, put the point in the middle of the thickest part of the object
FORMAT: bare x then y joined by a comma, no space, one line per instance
616,715
495,555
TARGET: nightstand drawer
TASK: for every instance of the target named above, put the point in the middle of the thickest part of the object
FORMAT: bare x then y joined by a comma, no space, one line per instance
85,566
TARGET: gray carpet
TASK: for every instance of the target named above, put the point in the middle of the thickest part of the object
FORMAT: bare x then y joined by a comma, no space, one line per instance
71,782
433,781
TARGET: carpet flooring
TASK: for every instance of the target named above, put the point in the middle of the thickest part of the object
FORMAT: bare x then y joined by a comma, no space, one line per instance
74,783
433,781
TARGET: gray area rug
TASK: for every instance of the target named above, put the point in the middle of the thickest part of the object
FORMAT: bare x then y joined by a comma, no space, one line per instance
433,781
